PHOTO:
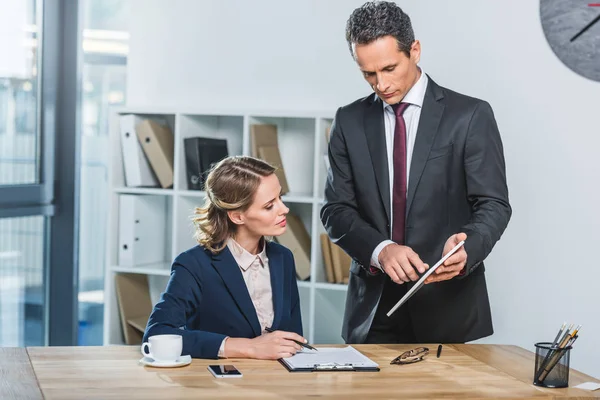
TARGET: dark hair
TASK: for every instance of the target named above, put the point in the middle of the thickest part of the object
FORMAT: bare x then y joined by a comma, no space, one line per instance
376,19
231,185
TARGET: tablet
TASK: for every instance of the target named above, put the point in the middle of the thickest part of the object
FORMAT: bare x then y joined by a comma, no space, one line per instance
421,281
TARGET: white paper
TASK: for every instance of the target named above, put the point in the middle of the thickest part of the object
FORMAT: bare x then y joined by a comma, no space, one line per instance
589,386
330,356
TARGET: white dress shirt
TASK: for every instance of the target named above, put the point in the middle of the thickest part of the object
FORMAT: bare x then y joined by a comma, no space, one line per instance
412,115
256,273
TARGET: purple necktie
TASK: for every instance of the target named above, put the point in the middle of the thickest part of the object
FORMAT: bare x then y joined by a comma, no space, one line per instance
399,188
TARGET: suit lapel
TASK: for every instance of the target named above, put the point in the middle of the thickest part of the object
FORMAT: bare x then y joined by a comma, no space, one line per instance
431,115
231,274
276,270
375,130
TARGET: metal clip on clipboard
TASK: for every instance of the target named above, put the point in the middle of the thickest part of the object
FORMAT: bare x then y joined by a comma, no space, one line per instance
334,367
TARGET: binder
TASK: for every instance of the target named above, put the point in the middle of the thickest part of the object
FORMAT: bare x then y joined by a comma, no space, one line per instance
297,239
142,229
330,359
200,155
262,135
135,305
341,263
272,156
327,257
138,172
264,145
158,145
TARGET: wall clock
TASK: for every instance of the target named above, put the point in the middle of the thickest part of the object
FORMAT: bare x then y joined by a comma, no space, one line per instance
572,28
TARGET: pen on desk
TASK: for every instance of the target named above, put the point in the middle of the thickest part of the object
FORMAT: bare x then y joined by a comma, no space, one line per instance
308,346
439,352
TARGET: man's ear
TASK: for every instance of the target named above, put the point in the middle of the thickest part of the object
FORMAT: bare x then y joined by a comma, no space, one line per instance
236,217
415,51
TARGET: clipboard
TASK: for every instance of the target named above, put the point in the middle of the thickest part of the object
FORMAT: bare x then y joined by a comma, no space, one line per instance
330,359
421,281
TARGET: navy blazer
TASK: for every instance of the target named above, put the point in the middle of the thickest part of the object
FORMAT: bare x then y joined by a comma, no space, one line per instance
207,299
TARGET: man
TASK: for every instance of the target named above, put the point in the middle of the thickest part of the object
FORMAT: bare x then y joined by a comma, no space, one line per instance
415,169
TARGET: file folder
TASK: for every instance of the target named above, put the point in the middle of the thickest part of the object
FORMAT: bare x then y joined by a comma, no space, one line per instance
138,172
158,144
142,229
200,155
265,145
297,239
135,305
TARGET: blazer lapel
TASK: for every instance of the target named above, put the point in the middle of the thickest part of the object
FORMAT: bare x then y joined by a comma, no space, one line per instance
375,130
231,274
431,116
276,270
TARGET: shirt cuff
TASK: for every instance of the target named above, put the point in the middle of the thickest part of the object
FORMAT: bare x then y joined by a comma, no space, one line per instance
221,353
375,256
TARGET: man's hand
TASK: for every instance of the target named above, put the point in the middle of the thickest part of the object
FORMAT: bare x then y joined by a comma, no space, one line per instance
401,263
454,264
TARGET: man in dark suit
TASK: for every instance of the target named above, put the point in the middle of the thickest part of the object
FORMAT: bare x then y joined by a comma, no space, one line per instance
415,169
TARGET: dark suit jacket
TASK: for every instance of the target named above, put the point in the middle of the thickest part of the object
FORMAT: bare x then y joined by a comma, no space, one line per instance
457,184
207,299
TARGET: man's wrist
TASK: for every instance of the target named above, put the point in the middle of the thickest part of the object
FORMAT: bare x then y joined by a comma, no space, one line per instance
375,257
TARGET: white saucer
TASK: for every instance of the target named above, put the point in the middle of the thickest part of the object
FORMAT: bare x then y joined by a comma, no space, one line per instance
180,362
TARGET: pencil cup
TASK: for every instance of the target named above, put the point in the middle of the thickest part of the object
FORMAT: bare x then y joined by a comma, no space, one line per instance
551,366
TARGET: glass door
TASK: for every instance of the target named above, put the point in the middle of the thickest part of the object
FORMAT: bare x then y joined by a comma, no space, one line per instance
25,201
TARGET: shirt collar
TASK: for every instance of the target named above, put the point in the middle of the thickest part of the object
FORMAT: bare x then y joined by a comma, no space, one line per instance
243,257
416,94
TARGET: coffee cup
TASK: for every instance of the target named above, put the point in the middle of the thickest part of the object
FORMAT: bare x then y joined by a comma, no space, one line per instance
163,348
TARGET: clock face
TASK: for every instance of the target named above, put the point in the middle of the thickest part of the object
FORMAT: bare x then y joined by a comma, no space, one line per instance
572,27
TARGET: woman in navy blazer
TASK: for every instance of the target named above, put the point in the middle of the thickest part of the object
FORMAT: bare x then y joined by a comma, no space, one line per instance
206,300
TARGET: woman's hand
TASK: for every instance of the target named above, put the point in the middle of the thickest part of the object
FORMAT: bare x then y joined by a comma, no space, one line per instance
269,346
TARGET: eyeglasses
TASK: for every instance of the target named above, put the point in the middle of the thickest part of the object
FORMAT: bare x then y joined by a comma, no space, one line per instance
411,356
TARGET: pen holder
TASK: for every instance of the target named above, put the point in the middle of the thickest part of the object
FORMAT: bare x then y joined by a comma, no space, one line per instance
551,366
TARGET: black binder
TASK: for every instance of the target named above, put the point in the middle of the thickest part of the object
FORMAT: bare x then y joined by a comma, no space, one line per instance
200,155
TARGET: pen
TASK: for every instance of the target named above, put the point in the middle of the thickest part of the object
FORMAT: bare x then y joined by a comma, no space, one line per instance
559,334
308,346
439,351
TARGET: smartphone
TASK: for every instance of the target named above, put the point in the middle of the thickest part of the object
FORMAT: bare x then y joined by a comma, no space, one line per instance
224,371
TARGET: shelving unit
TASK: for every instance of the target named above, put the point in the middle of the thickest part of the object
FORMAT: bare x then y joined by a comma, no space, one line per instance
302,144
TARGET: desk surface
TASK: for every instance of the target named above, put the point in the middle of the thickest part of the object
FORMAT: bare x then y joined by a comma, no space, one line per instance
113,372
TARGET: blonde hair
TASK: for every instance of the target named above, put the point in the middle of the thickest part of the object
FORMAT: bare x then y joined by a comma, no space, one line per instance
230,186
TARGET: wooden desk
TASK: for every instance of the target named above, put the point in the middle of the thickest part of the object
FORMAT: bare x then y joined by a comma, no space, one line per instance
463,371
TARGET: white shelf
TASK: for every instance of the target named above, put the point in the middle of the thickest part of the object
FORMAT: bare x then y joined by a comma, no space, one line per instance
191,193
149,191
298,198
303,284
301,136
133,109
162,270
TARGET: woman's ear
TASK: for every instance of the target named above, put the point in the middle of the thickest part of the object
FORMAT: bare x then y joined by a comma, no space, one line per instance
236,217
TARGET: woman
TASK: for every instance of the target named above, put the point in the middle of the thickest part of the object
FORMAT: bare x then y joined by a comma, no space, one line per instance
223,293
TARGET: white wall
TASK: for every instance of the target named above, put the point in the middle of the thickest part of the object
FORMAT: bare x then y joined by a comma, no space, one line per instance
275,54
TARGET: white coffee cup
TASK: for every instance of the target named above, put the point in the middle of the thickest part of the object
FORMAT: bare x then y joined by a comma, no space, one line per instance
163,347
